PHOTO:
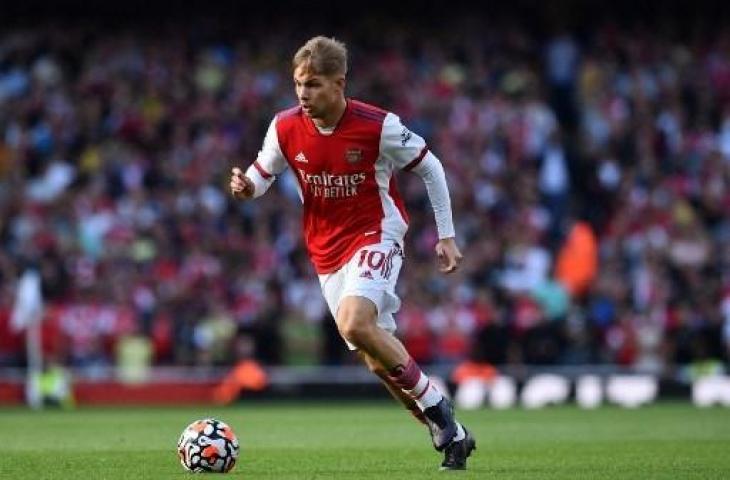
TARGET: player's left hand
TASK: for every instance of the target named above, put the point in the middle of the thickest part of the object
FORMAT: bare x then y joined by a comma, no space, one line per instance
449,256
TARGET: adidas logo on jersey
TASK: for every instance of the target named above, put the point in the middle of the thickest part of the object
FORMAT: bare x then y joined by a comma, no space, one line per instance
367,274
301,158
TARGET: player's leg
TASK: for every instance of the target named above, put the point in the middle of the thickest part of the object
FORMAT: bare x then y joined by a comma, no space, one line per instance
362,299
332,285
405,399
357,321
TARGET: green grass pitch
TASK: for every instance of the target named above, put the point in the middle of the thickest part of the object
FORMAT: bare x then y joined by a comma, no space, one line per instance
377,441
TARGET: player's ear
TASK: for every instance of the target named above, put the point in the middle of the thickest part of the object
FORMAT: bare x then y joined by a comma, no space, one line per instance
341,82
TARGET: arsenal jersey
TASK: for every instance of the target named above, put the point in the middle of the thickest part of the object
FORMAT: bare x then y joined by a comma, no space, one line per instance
345,177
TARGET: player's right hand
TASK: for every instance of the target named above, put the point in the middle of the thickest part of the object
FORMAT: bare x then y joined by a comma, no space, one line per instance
241,186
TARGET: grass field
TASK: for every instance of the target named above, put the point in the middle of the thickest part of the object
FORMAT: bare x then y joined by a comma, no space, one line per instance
378,441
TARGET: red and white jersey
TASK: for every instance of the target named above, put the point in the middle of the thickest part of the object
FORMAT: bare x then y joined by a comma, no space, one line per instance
345,177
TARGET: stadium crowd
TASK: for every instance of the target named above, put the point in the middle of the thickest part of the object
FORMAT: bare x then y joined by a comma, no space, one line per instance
589,175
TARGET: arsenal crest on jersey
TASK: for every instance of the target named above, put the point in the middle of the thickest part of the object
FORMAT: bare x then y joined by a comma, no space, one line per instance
353,155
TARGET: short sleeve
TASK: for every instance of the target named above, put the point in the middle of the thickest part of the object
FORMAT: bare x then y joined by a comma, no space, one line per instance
402,147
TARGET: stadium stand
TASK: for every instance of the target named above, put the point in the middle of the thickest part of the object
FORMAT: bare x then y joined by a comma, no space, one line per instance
589,168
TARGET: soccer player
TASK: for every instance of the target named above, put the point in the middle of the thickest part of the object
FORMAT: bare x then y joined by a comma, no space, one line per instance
343,153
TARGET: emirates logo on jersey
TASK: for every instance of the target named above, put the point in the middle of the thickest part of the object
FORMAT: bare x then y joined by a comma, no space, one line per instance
327,185
353,155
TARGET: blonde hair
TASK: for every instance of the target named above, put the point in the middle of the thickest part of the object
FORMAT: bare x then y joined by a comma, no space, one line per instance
323,56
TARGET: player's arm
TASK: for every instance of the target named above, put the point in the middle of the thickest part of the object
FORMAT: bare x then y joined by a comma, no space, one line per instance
432,173
269,163
408,151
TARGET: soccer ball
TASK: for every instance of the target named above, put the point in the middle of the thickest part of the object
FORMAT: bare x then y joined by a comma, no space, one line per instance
208,445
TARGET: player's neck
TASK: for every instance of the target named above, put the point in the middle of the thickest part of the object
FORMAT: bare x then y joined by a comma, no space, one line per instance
333,117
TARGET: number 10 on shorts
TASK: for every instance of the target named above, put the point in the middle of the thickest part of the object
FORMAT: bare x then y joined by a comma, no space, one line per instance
376,260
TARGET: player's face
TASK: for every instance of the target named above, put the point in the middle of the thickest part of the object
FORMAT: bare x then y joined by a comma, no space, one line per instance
318,95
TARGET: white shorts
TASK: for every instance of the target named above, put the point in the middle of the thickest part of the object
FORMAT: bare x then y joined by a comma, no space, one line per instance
371,273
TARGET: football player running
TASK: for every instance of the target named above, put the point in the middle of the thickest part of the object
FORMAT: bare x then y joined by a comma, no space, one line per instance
343,153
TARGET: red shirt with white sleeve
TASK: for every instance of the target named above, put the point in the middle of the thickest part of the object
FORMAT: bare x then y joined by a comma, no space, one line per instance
345,178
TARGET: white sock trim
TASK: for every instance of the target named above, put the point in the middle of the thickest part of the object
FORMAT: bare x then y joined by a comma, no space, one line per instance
428,397
421,384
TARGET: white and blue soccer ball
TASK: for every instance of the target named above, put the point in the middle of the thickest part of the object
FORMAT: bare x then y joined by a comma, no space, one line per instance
208,445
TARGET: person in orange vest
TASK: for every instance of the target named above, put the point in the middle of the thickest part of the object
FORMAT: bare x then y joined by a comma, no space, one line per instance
577,262
247,374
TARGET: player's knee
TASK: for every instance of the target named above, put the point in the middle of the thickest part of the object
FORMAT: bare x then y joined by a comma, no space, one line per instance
355,330
355,320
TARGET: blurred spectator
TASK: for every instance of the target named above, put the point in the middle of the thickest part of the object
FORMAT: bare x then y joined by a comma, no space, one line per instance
115,145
